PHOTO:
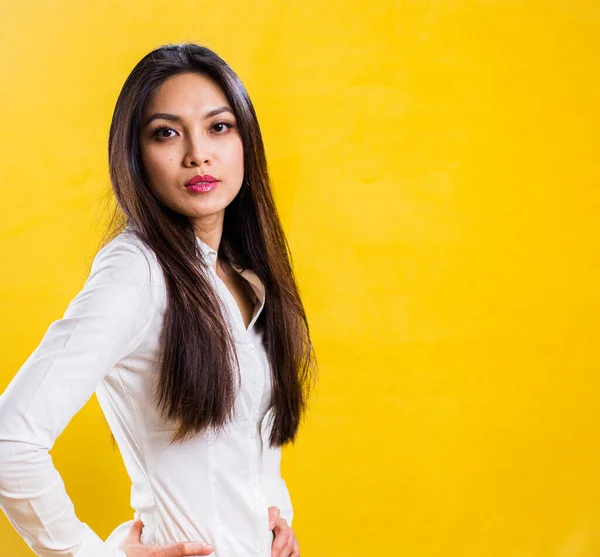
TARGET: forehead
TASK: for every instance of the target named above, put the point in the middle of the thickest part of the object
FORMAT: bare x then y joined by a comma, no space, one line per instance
187,92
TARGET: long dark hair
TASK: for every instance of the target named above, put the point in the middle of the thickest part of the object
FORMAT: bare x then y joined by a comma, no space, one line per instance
198,365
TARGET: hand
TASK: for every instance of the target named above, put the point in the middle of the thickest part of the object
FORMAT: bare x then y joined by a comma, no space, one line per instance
133,548
285,543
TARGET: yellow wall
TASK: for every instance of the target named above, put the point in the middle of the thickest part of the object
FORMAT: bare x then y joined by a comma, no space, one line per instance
435,164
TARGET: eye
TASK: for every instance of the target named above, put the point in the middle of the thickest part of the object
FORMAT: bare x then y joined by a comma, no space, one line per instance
228,125
158,132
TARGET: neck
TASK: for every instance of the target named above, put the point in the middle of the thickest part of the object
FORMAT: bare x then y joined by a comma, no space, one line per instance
210,229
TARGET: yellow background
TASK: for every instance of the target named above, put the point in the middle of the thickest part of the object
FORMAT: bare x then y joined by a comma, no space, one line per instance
436,168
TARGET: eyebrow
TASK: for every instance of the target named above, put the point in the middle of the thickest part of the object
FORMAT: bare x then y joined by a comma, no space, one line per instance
176,118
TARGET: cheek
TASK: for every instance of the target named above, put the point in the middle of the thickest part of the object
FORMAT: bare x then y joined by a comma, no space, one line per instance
235,157
158,166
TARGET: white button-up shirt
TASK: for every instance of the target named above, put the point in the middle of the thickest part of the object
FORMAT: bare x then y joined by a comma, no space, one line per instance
212,488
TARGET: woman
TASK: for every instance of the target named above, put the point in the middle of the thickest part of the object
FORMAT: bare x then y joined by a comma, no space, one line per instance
189,329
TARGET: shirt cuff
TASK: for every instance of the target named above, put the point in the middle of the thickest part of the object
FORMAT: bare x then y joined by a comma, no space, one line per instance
93,546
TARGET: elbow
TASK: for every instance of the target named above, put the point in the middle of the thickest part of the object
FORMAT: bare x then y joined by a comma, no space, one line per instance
24,437
20,461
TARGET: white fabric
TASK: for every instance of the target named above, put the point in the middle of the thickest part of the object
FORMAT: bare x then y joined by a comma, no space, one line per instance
210,488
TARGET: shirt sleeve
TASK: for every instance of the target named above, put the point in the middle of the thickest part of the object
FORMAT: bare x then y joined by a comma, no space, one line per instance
274,486
105,321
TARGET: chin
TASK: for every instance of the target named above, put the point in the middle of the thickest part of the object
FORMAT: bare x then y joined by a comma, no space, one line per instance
206,210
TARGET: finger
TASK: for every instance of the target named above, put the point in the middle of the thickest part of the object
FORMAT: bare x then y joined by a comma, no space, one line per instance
273,516
135,532
288,547
283,533
183,549
296,548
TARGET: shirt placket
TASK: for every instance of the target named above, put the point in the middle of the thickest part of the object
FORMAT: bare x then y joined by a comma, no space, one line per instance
262,531
255,385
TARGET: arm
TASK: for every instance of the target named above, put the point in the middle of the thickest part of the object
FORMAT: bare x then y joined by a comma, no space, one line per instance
105,321
275,488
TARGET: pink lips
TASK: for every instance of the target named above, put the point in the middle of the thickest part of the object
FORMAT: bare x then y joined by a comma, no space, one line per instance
202,183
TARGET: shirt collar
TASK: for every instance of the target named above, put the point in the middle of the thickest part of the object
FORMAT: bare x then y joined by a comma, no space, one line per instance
211,256
255,282
208,253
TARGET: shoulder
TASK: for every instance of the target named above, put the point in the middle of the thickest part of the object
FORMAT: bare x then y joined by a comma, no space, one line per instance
123,291
127,260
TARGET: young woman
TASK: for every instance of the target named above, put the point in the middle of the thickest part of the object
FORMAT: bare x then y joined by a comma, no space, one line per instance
189,329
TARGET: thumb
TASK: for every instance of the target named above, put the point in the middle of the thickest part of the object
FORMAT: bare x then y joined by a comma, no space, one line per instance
273,516
135,532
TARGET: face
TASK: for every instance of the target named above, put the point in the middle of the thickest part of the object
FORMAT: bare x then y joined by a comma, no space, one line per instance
189,130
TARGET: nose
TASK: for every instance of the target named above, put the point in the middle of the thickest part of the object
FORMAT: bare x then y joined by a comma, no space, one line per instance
197,154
